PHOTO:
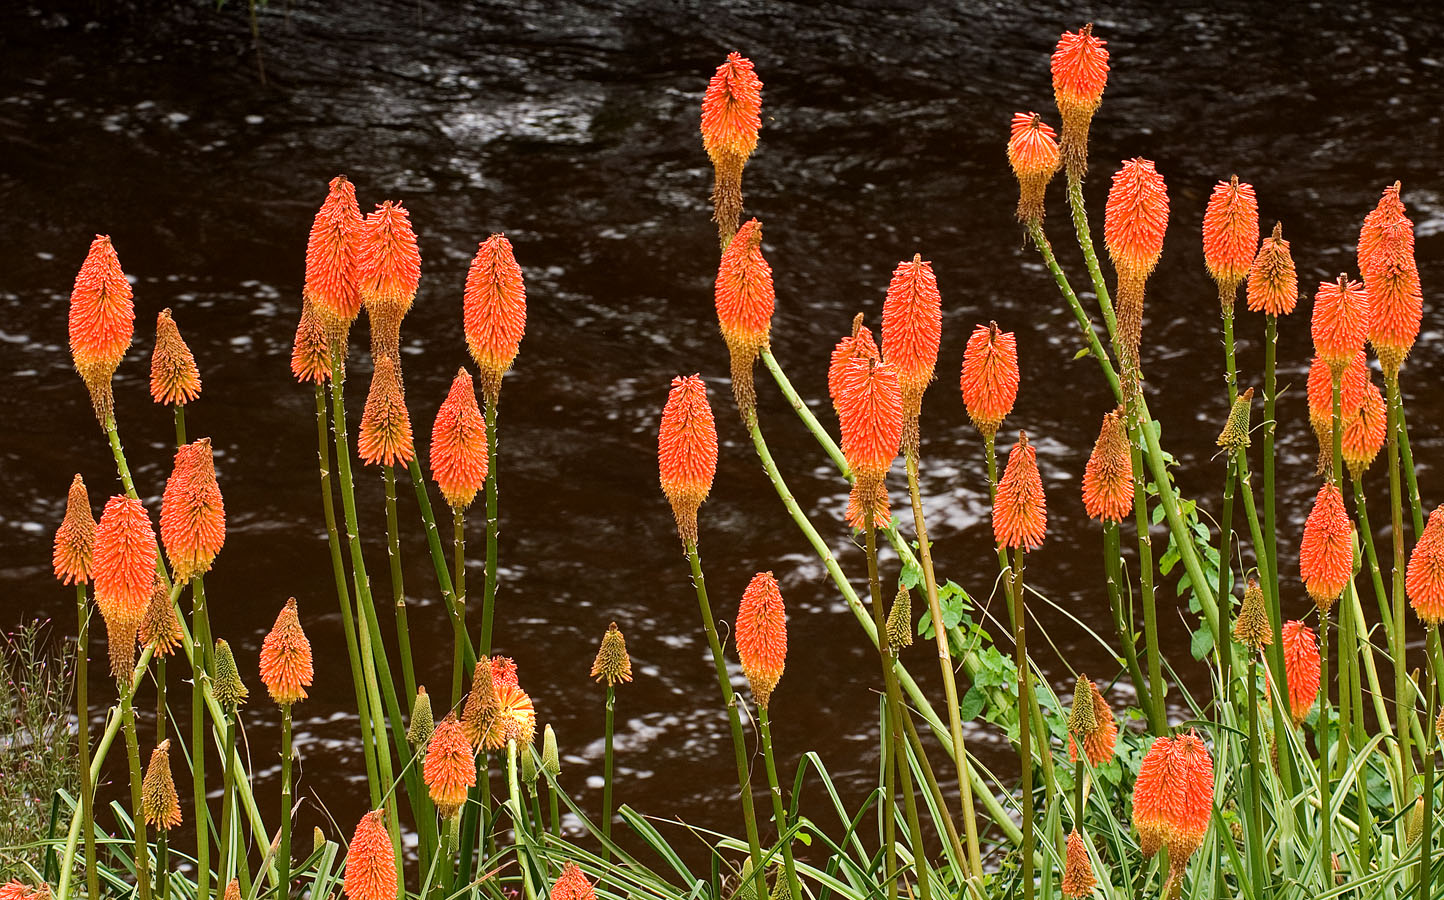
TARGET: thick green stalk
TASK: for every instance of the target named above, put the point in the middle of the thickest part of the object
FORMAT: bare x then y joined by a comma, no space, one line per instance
82,714
162,866
945,664
1270,547
160,707
803,412
607,776
488,603
1326,774
1403,696
1426,840
1255,791
1158,718
894,759
200,675
1090,256
398,588
1225,573
1112,567
132,751
779,813
519,817
1040,240
930,779
228,783
455,610
1025,699
458,587
283,859
554,816
729,701
1228,355
1411,474
180,426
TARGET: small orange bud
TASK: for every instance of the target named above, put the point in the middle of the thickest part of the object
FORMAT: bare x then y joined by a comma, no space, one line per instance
389,269
1108,477
572,884
1340,322
370,861
745,300
385,437
1273,283
450,768
731,120
912,328
990,377
332,275
458,444
192,513
858,345
75,538
311,352
1020,511
870,410
1080,72
1230,235
286,668
102,321
494,312
1301,668
1133,225
1424,582
174,378
124,573
762,636
158,800
1326,555
687,452
1033,153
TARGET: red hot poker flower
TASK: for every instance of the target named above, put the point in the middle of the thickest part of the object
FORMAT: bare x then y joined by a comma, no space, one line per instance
1101,745
687,452
745,300
102,321
514,719
286,668
385,437
762,636
572,884
160,627
990,377
1078,879
1273,282
389,266
1173,796
311,352
1230,236
731,120
174,378
1341,321
332,278
858,345
1108,477
370,861
1080,72
1020,511
458,444
912,328
1424,582
124,573
75,538
1391,279
192,513
1033,154
1374,237
1365,431
1326,556
870,412
450,768
18,890
494,312
1354,396
1133,224
1301,668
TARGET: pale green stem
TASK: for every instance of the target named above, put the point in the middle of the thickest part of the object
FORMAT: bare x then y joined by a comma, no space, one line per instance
779,812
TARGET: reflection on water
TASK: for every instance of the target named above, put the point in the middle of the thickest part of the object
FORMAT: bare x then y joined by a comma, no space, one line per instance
573,128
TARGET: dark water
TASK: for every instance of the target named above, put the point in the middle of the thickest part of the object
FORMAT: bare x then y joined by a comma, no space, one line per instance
573,128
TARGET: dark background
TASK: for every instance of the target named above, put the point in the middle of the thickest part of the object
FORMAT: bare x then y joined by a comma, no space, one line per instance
573,128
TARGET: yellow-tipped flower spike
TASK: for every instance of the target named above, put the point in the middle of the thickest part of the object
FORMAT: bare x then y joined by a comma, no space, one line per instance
230,691
158,800
286,668
174,378
480,706
102,321
551,759
1252,628
423,724
1234,436
450,768
900,621
1078,878
1082,723
762,636
161,627
612,663
370,861
75,538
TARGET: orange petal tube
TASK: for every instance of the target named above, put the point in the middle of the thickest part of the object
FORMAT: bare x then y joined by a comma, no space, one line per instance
912,329
311,352
745,300
1326,555
370,861
687,452
1391,279
124,573
870,410
102,321
458,444
731,120
1301,668
332,275
1020,511
389,267
74,552
1101,745
1133,225
1173,796
1273,282
494,312
1108,477
192,513
762,636
1080,72
1033,153
1340,322
990,377
385,438
572,884
286,667
1424,581
1230,236
174,378
450,768
858,345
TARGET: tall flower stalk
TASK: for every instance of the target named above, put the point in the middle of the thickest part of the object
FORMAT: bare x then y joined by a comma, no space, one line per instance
614,666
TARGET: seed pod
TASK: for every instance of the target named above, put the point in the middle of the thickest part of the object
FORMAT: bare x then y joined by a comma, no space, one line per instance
528,767
900,621
612,663
480,706
419,732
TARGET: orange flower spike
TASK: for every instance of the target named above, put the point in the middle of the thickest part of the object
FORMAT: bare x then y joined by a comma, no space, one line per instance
1080,72
1273,282
1151,797
1424,581
332,274
1101,745
458,444
1078,879
311,352
503,671
858,345
174,378
385,437
389,266
1301,668
370,861
1020,511
687,452
1391,279
572,884
450,768
745,300
731,120
160,627
102,321
1134,221
514,720
159,803
1365,432
1108,477
1193,803
990,377
1340,322
74,552
192,513
1375,237
912,329
762,636
286,667
1326,555
494,312
124,573
18,890
1033,154
1230,236
870,412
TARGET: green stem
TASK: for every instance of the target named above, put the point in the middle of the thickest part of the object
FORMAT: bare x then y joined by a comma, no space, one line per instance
455,610
488,603
1326,857
398,588
132,750
1159,718
180,425
1426,840
200,674
1411,474
1225,572
930,779
554,818
162,866
779,813
1090,255
729,701
160,707
1025,698
1270,548
82,713
223,863
1228,354
1255,799
1040,240
519,817
607,777
887,810
458,582
1403,696
1123,624
794,400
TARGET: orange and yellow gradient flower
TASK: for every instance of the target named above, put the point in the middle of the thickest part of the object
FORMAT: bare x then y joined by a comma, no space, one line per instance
1230,236
389,269
450,768
286,665
1034,155
1326,554
1108,476
192,513
762,636
912,329
990,377
870,410
74,551
1020,511
1424,581
385,438
102,321
459,459
124,573
687,452
494,312
174,378
370,861
1273,282
731,121
1080,73
745,300
1134,221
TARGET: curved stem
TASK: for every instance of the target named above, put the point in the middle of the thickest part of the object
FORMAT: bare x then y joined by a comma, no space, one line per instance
493,524
1090,255
1025,699
779,813
398,589
132,752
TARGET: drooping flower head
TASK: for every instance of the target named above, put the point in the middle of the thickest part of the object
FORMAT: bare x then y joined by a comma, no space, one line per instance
1340,322
731,120
745,300
311,351
613,664
385,438
990,377
332,258
102,321
370,861
286,668
1020,512
192,513
762,636
858,345
74,552
1078,879
1273,282
1301,668
870,412
159,802
494,312
1133,224
1173,796
450,768
1235,434
389,267
1099,728
124,573
160,627
1326,555
1108,477
912,329
1230,236
687,452
1080,72
458,444
1033,153
1424,581
174,378
1391,279
230,690
572,884
1252,628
